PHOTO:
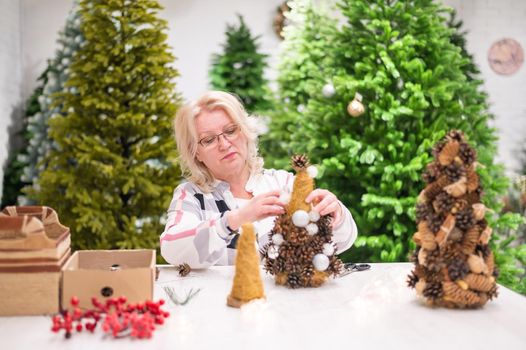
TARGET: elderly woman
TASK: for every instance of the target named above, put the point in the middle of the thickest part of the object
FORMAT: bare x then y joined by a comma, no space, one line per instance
228,187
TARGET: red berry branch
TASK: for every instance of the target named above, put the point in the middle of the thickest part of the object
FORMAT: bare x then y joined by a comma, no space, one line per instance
117,317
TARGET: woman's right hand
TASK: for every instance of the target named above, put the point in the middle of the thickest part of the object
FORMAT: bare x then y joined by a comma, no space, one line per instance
259,207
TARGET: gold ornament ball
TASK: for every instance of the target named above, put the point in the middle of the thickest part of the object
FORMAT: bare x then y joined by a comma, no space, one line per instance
355,108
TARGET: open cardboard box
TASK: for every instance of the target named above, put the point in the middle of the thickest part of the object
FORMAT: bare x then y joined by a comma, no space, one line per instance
108,274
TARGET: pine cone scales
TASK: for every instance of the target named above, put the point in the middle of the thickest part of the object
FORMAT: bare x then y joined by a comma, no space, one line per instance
454,266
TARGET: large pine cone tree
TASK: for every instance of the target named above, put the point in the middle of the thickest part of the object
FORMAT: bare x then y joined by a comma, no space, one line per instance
454,265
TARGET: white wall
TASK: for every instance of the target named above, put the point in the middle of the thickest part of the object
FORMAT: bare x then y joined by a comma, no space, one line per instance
488,21
10,77
196,30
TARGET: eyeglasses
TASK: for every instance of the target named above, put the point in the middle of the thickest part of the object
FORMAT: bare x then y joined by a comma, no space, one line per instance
230,133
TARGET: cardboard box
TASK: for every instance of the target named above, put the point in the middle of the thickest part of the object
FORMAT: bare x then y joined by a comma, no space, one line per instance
107,274
34,246
29,293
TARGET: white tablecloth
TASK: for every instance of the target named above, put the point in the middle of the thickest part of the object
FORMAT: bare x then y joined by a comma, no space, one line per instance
364,310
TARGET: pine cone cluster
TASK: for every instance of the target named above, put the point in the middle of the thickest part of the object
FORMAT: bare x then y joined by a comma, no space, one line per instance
454,265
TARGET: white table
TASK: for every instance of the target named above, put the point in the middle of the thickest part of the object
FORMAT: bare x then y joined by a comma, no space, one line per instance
364,310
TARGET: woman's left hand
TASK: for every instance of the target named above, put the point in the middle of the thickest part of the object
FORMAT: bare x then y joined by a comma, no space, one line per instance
327,203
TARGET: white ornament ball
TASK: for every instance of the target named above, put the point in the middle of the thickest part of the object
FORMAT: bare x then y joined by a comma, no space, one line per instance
284,197
278,239
320,262
314,216
328,249
272,252
312,229
300,218
312,171
328,90
300,108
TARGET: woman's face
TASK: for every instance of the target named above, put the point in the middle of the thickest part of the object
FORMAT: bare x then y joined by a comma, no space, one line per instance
222,146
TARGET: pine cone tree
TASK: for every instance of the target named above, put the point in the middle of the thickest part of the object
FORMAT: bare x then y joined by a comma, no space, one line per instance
457,269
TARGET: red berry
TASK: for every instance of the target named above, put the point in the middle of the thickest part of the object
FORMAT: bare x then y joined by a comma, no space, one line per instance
79,327
74,301
161,301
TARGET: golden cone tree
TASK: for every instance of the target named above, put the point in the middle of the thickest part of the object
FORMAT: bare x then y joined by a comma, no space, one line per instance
247,284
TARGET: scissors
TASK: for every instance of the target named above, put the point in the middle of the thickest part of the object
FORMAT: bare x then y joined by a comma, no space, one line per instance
352,267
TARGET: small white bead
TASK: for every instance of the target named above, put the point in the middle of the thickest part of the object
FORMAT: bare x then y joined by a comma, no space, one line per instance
312,229
328,249
278,239
300,218
314,216
320,262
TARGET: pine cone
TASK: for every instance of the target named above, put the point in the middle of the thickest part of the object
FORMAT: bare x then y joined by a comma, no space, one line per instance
443,202
438,148
422,211
412,279
435,220
294,280
454,172
467,154
434,261
431,173
455,135
453,251
458,269
299,162
433,291
414,256
465,219
306,275
184,269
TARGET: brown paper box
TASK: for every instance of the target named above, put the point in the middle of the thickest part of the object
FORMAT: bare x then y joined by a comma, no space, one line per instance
29,293
107,274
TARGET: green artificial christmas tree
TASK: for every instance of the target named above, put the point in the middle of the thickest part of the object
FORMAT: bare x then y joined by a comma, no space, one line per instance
400,57
56,74
13,176
111,175
302,62
240,68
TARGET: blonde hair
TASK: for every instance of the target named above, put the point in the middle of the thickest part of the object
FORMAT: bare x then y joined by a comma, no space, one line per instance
187,138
